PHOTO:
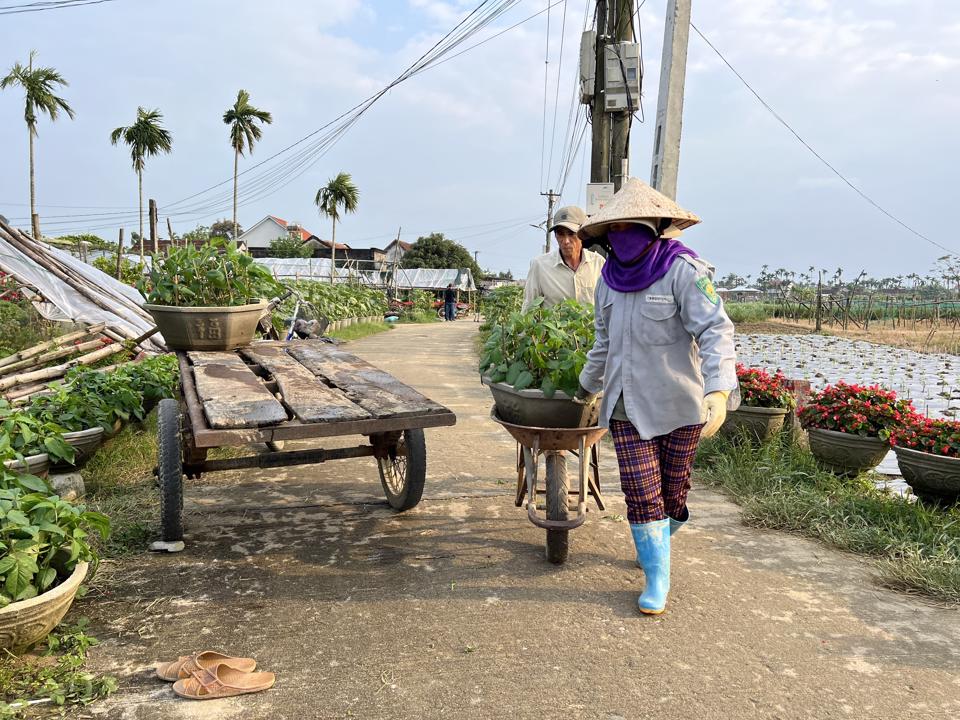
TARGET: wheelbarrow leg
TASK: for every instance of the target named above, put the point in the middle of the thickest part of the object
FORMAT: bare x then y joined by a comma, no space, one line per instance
594,479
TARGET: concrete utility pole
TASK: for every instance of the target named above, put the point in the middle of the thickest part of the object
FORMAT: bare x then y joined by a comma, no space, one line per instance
600,140
666,139
611,130
551,201
622,27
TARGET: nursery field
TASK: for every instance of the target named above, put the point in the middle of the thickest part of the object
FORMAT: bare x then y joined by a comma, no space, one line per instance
930,380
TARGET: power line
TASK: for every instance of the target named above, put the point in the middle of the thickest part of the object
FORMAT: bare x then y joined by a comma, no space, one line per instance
274,178
42,6
546,81
556,99
816,154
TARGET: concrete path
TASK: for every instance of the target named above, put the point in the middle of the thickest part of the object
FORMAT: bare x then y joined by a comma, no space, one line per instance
450,610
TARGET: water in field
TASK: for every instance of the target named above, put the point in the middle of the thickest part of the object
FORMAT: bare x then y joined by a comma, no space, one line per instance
931,381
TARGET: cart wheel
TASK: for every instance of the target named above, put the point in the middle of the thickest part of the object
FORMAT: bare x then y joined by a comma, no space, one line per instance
170,470
557,498
404,470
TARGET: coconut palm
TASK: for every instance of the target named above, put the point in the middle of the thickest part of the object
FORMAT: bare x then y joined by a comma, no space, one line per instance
339,193
38,86
145,137
244,131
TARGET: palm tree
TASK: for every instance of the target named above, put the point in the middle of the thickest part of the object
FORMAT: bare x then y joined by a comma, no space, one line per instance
38,86
244,131
145,137
340,192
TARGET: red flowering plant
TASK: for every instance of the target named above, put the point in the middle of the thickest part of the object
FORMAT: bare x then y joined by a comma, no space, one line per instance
758,388
865,410
919,432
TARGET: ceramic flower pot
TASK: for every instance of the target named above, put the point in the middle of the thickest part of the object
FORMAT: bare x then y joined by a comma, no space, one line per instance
207,328
27,622
759,423
38,465
531,408
844,453
85,444
931,477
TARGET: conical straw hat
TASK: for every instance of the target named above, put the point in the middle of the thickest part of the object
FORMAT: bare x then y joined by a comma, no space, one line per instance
635,201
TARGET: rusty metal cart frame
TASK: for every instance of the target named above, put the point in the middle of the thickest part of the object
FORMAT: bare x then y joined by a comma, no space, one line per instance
185,436
551,443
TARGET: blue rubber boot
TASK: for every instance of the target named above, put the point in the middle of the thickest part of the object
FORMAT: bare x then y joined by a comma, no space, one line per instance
677,523
653,555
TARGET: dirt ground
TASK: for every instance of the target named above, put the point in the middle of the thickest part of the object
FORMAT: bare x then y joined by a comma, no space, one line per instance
923,338
450,610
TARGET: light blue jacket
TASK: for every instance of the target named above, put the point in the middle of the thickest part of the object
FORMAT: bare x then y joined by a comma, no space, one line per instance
663,349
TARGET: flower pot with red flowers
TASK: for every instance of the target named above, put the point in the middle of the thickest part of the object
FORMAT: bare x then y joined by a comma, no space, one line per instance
928,453
850,425
765,402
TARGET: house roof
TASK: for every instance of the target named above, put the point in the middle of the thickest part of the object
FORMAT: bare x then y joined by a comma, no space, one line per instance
304,233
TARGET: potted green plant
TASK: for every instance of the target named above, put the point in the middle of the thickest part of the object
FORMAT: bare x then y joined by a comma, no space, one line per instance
44,556
850,425
928,453
32,443
765,401
532,361
207,298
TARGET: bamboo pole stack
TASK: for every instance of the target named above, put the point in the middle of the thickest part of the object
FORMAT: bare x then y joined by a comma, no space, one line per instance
103,297
26,373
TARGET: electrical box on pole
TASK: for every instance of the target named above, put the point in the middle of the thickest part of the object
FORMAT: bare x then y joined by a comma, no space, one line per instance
588,65
622,77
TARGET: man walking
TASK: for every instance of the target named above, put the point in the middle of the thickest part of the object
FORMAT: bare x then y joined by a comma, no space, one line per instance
450,303
567,272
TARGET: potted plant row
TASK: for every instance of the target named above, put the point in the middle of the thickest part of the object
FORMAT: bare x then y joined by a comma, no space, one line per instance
90,405
44,556
532,361
765,401
850,425
207,298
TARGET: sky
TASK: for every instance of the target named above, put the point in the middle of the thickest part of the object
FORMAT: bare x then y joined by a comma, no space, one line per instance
462,148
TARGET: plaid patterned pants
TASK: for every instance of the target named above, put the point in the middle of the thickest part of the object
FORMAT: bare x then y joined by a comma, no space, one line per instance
654,474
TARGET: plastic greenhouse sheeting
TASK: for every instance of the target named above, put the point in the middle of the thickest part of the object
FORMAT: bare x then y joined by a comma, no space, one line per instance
64,303
432,279
316,269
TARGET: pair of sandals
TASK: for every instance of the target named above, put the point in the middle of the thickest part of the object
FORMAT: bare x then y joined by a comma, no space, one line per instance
209,675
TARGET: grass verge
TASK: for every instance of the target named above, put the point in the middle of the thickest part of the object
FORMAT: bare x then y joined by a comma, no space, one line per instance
419,317
781,487
360,330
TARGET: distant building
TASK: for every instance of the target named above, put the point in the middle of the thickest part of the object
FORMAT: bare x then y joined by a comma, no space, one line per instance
395,251
258,238
740,294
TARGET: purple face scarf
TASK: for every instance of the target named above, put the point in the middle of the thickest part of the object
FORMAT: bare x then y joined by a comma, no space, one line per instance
639,258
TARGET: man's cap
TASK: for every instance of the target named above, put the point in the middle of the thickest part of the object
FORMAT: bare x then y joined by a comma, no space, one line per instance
570,217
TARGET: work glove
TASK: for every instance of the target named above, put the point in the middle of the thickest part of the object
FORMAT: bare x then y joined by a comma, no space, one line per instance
583,396
713,413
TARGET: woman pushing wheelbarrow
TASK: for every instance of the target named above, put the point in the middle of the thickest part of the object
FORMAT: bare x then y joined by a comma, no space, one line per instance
664,358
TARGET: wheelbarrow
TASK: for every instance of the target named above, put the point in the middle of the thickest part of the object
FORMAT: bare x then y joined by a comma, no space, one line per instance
553,444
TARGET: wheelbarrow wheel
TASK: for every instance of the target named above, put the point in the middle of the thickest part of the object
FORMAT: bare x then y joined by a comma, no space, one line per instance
403,470
170,470
558,541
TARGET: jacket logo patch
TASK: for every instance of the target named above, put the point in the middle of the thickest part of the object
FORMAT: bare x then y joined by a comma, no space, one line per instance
659,299
709,292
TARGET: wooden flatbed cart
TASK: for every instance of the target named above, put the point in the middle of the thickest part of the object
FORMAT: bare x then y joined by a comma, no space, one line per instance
271,392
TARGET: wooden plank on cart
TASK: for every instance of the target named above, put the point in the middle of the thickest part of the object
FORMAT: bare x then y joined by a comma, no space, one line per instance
231,394
303,392
376,391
